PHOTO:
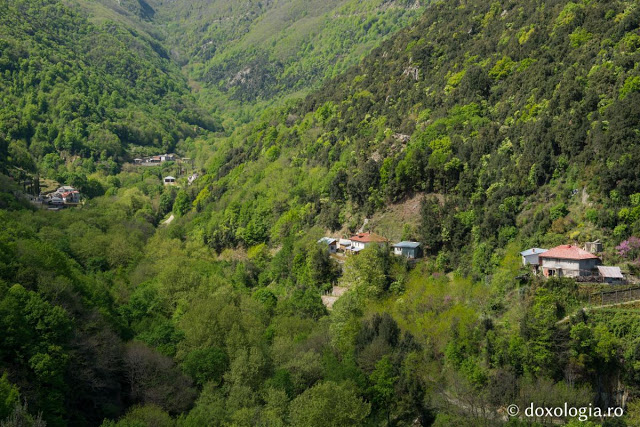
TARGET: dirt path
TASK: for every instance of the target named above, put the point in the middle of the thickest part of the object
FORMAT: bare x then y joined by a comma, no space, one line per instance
168,221
329,299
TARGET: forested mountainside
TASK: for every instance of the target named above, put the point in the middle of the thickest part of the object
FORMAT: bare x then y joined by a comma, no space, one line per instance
260,50
503,110
506,125
111,67
86,94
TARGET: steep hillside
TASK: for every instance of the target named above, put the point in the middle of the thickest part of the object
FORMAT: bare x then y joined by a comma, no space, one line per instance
503,109
127,50
257,51
95,91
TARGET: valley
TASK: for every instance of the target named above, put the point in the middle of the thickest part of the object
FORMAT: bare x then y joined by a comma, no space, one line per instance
329,213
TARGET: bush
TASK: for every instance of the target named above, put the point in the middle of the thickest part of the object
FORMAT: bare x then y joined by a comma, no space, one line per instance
558,211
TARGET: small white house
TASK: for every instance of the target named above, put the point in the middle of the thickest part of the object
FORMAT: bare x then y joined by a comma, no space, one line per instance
531,256
169,180
362,240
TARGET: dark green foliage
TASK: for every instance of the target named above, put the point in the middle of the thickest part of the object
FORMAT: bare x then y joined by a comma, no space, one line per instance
207,364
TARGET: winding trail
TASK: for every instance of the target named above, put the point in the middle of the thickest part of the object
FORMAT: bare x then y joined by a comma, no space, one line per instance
168,221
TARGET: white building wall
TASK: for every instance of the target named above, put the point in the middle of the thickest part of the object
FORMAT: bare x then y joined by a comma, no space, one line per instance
531,259
570,268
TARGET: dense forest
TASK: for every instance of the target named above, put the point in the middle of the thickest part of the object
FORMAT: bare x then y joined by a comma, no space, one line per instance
506,125
86,95
247,54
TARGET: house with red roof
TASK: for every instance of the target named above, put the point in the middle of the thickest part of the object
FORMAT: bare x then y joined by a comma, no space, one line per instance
362,240
568,261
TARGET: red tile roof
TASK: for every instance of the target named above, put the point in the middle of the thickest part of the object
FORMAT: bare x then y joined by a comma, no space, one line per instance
367,238
568,252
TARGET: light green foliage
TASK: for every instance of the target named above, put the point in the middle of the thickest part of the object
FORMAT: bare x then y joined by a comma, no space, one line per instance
579,37
148,415
534,109
568,14
508,269
366,272
503,68
631,84
524,34
181,204
9,397
444,303
454,80
329,404
441,150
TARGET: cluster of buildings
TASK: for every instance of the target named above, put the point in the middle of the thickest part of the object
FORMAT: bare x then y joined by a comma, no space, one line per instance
171,180
65,195
359,241
582,264
572,261
181,168
155,160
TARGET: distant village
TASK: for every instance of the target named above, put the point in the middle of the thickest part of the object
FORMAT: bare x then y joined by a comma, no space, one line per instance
163,158
156,160
68,196
65,196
